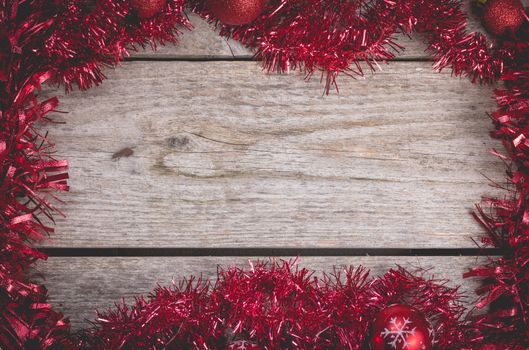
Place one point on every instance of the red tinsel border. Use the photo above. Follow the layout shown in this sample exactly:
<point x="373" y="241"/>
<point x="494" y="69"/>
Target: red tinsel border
<point x="68" y="43"/>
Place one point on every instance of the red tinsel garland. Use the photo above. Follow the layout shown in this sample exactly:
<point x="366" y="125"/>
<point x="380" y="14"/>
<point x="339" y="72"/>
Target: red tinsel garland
<point x="306" y="35"/>
<point x="280" y="307"/>
<point x="68" y="42"/>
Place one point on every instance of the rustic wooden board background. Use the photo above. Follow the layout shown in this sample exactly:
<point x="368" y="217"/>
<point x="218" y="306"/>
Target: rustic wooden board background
<point x="229" y="164"/>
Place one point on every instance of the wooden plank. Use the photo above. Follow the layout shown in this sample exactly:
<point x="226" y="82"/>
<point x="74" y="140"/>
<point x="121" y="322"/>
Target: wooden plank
<point x="224" y="156"/>
<point x="202" y="42"/>
<point x="78" y="286"/>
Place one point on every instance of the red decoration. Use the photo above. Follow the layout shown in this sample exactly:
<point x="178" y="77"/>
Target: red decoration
<point x="235" y="12"/>
<point x="148" y="8"/>
<point x="280" y="306"/>
<point x="329" y="37"/>
<point x="401" y="327"/>
<point x="243" y="345"/>
<point x="503" y="17"/>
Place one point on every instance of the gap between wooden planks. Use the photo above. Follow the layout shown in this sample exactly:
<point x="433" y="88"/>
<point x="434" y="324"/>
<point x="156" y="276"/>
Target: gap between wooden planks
<point x="202" y="43"/>
<point x="393" y="161"/>
<point x="81" y="285"/>
<point x="224" y="156"/>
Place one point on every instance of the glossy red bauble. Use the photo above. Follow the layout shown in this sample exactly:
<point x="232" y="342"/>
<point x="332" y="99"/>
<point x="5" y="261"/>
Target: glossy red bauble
<point x="401" y="327"/>
<point x="148" y="8"/>
<point x="503" y="17"/>
<point x="235" y="12"/>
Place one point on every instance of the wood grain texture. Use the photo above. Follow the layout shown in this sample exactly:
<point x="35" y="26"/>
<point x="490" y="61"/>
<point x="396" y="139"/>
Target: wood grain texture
<point x="202" y="42"/>
<point x="224" y="156"/>
<point x="78" y="286"/>
<point x="217" y="154"/>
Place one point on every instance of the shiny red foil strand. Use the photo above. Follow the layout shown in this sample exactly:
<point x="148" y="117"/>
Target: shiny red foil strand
<point x="68" y="42"/>
<point x="278" y="306"/>
<point x="506" y="280"/>
<point x="27" y="171"/>
<point x="83" y="40"/>
<point x="349" y="37"/>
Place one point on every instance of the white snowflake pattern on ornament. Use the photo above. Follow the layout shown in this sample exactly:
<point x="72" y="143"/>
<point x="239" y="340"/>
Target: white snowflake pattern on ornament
<point x="399" y="332"/>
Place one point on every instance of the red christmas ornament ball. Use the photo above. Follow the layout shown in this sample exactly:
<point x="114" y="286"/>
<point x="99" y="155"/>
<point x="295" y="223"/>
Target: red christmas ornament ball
<point x="401" y="327"/>
<point x="243" y="345"/>
<point x="148" y="8"/>
<point x="503" y="17"/>
<point x="235" y="12"/>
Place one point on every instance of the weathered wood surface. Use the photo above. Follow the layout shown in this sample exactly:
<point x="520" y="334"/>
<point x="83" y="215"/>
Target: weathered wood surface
<point x="78" y="286"/>
<point x="224" y="156"/>
<point x="217" y="154"/>
<point x="202" y="42"/>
